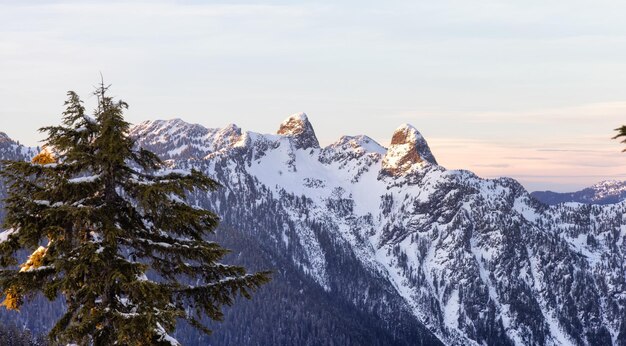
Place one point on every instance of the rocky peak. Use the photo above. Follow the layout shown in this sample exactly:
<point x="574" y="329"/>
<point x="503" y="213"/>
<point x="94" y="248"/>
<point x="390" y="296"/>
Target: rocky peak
<point x="226" y="137"/>
<point x="299" y="128"/>
<point x="4" y="138"/>
<point x="408" y="147"/>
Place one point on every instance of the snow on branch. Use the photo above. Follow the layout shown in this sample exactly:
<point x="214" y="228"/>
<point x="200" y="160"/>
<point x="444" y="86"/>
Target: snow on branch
<point x="163" y="336"/>
<point x="166" y="172"/>
<point x="89" y="119"/>
<point x="87" y="179"/>
<point x="5" y="234"/>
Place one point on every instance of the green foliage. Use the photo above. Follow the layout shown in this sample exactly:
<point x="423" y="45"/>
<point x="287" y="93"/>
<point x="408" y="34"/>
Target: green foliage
<point x="621" y="132"/>
<point x="100" y="215"/>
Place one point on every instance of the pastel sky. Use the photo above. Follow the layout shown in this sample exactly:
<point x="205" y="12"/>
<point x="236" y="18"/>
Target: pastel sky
<point x="527" y="89"/>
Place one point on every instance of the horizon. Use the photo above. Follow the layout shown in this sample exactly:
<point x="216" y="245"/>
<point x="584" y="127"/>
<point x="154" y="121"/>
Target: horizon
<point x="500" y="89"/>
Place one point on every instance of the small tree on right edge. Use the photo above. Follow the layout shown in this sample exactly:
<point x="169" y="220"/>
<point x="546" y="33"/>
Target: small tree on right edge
<point x="621" y="132"/>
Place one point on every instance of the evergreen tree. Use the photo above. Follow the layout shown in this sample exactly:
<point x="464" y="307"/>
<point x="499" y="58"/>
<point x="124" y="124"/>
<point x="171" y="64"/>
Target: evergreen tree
<point x="621" y="132"/>
<point x="113" y="234"/>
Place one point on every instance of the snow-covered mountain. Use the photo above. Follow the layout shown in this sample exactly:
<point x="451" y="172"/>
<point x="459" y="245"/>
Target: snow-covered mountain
<point x="605" y="192"/>
<point x="392" y="248"/>
<point x="12" y="150"/>
<point x="476" y="261"/>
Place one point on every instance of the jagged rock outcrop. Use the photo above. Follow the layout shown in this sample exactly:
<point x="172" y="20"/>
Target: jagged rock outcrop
<point x="300" y="129"/>
<point x="408" y="150"/>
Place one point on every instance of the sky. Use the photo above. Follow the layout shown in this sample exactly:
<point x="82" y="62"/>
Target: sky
<point x="526" y="89"/>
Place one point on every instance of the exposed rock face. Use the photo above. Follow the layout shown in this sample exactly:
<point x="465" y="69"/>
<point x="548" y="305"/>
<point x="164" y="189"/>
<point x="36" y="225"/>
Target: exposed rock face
<point x="299" y="128"/>
<point x="408" y="149"/>
<point x="4" y="138"/>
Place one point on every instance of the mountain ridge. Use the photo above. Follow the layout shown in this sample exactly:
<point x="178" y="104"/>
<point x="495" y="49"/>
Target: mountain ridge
<point x="468" y="260"/>
<point x="604" y="192"/>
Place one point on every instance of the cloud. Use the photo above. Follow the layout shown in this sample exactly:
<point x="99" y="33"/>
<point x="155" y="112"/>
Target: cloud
<point x="570" y="168"/>
<point x="525" y="158"/>
<point x="492" y="165"/>
<point x="573" y="150"/>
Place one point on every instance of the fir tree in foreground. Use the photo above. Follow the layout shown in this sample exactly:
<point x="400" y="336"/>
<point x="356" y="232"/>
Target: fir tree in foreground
<point x="113" y="234"/>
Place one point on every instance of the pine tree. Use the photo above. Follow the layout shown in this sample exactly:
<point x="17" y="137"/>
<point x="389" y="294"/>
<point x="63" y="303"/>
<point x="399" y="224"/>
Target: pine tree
<point x="113" y="234"/>
<point x="621" y="132"/>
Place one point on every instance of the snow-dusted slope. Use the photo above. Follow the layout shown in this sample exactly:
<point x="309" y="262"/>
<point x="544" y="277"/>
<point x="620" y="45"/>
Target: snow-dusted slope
<point x="12" y="150"/>
<point x="176" y="139"/>
<point x="476" y="261"/>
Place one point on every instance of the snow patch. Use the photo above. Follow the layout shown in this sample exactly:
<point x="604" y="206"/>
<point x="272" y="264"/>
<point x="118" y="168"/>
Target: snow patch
<point x="451" y="310"/>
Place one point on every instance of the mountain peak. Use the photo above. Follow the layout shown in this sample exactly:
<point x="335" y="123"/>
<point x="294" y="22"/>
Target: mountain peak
<point x="360" y="143"/>
<point x="299" y="127"/>
<point x="407" y="148"/>
<point x="177" y="139"/>
<point x="4" y="137"/>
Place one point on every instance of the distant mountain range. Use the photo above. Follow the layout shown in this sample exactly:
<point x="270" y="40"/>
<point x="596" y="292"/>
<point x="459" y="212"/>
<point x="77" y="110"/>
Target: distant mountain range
<point x="376" y="245"/>
<point x="606" y="192"/>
